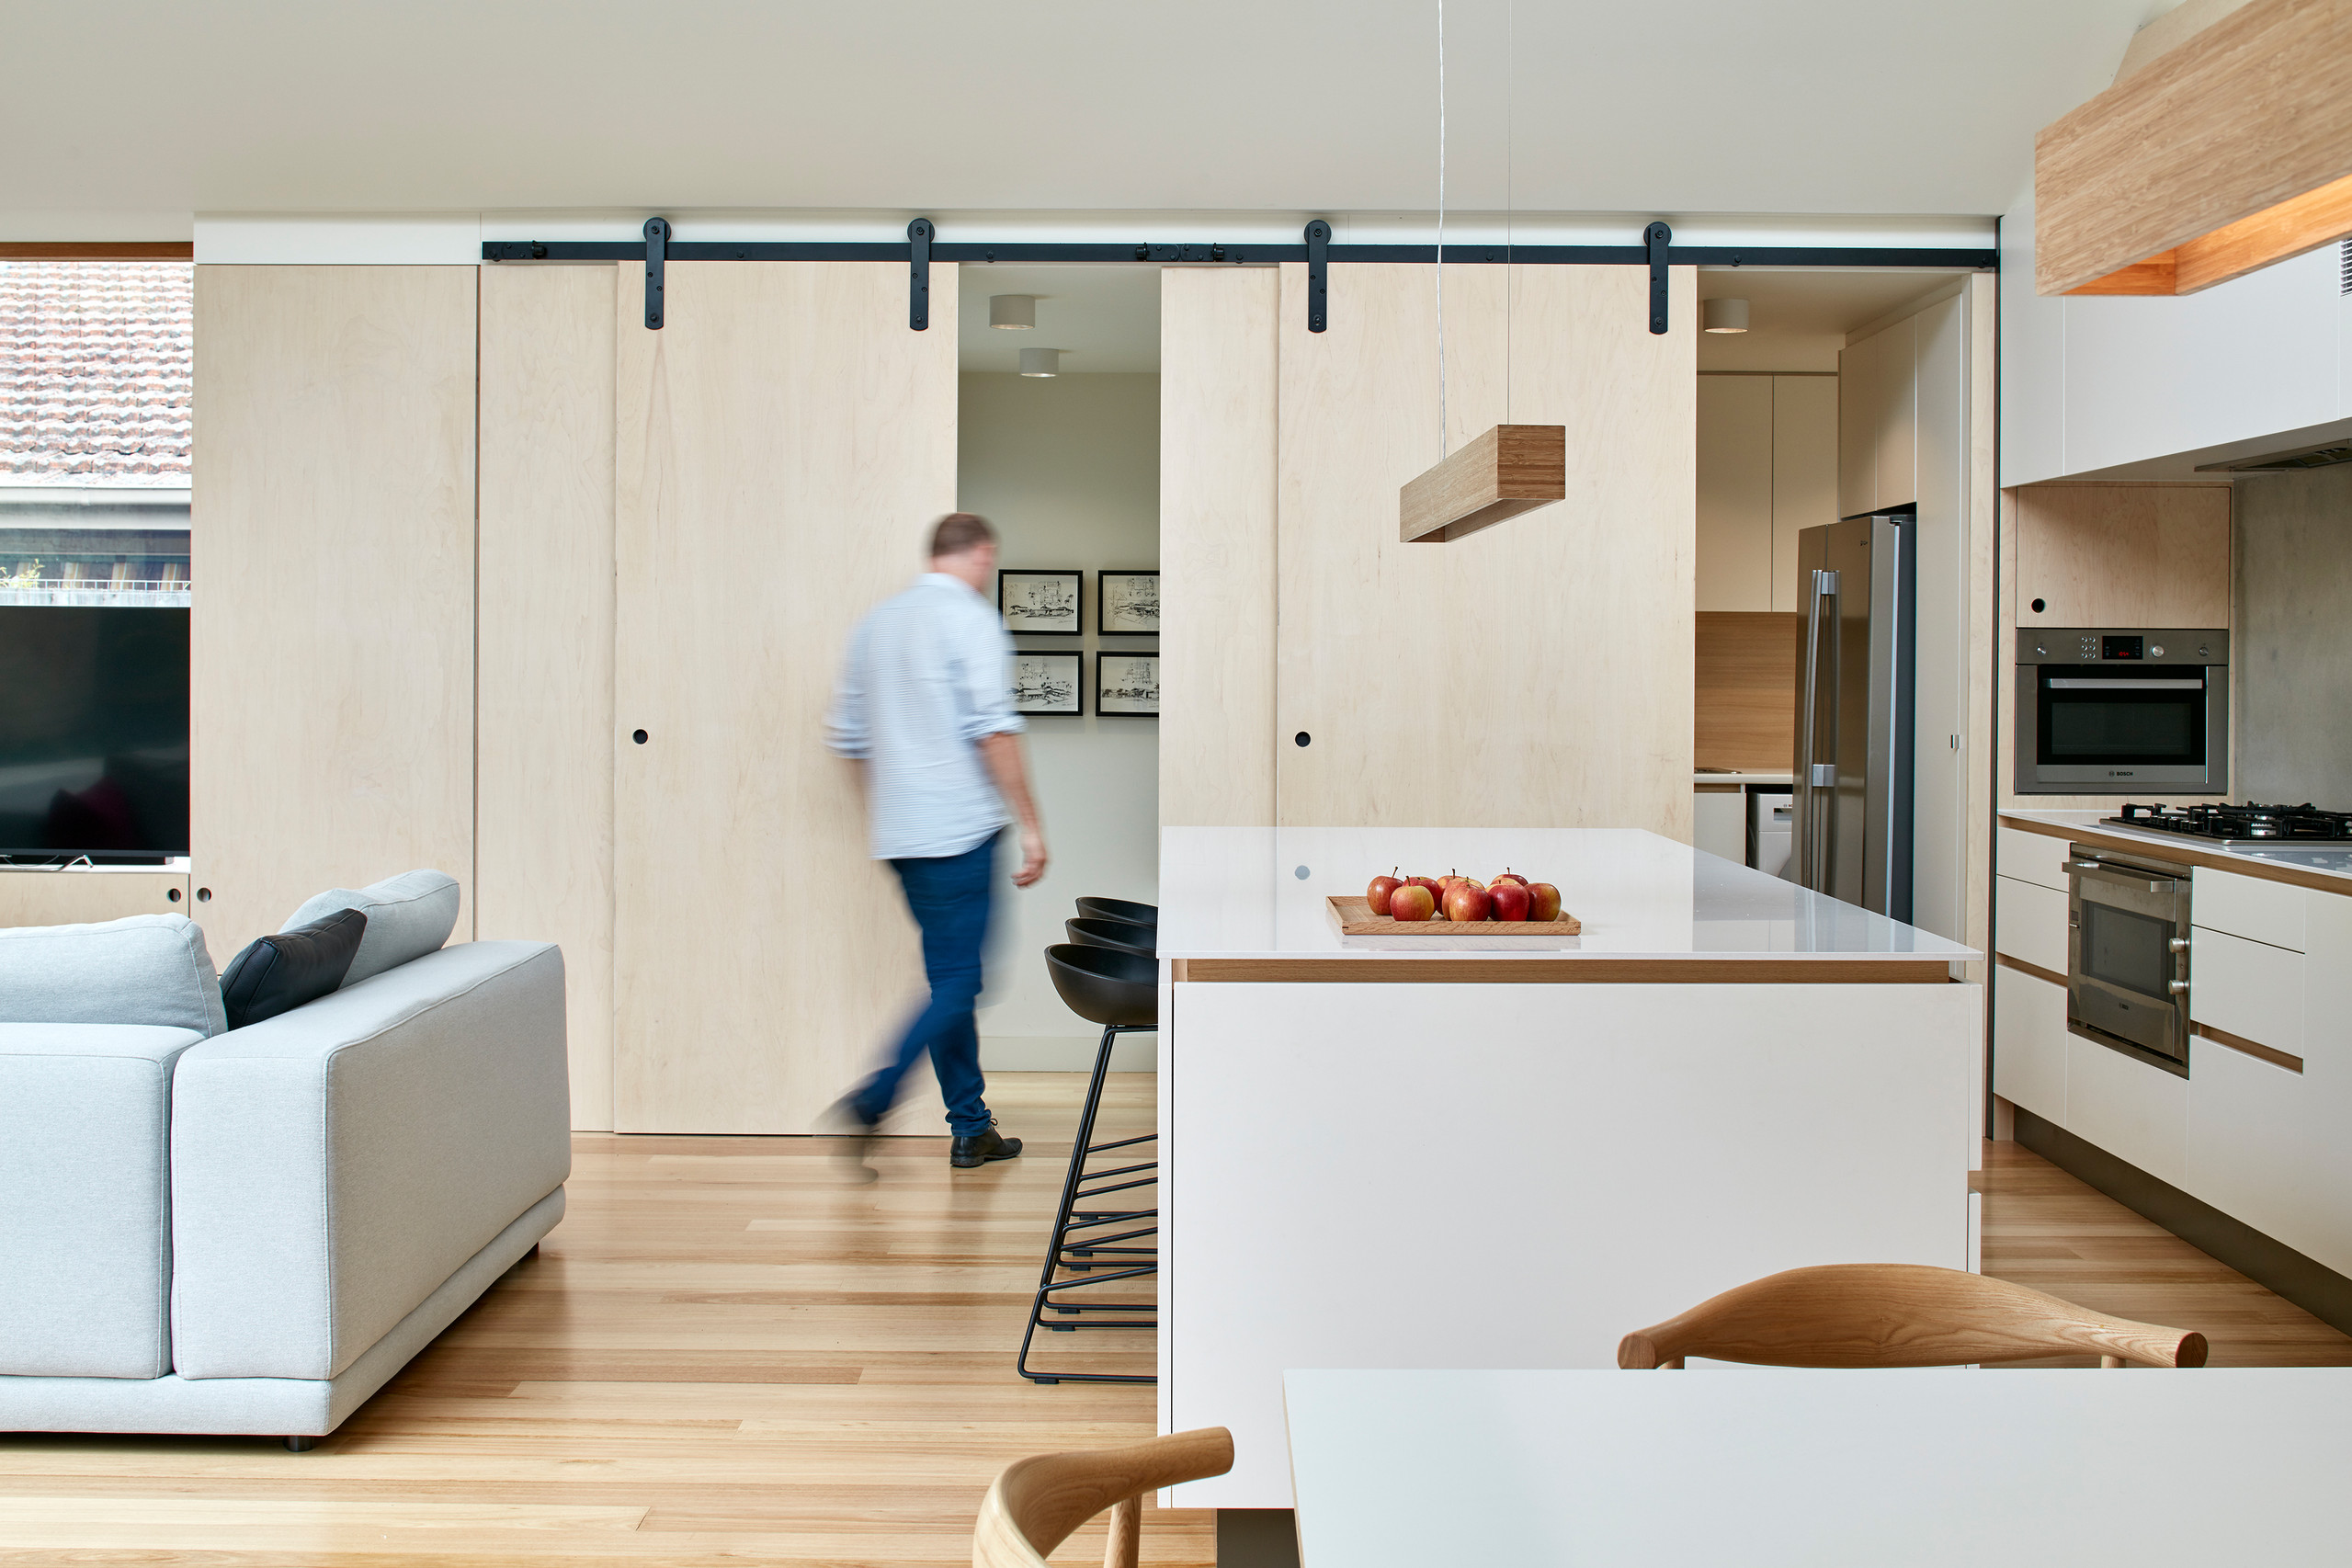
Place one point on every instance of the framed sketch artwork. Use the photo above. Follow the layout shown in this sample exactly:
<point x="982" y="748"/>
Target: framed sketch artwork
<point x="1048" y="683"/>
<point x="1127" y="604"/>
<point x="1041" y="604"/>
<point x="1131" y="682"/>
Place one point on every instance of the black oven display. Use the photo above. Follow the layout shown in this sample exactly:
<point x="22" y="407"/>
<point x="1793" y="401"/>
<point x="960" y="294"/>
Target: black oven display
<point x="2114" y="647"/>
<point x="2151" y="719"/>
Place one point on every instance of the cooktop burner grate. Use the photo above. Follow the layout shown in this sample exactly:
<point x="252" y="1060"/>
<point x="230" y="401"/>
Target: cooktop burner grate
<point x="2249" y="823"/>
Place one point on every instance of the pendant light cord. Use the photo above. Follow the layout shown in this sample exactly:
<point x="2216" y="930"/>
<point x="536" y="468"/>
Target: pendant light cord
<point x="1445" y="438"/>
<point x="1510" y="271"/>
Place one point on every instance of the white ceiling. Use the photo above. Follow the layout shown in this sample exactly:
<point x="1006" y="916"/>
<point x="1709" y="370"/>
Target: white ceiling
<point x="1102" y="318"/>
<point x="1831" y="107"/>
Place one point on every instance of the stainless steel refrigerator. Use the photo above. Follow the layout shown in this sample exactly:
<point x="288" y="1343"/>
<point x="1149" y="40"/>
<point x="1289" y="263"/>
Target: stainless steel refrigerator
<point x="1855" y="595"/>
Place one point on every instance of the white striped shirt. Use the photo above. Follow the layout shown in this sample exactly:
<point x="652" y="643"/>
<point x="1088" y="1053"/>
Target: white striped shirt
<point x="923" y="684"/>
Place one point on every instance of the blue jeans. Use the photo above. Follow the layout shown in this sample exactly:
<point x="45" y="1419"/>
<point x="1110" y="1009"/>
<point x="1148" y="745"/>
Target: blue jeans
<point x="949" y="896"/>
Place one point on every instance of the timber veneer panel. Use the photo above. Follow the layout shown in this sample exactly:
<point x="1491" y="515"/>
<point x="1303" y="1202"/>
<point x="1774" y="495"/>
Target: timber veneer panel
<point x="76" y="898"/>
<point x="1744" y="711"/>
<point x="1538" y="673"/>
<point x="2124" y="555"/>
<point x="543" y="859"/>
<point x="332" y="646"/>
<point x="782" y="445"/>
<point x="1218" y="392"/>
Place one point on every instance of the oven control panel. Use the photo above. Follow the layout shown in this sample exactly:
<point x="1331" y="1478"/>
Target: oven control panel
<point x="2100" y="645"/>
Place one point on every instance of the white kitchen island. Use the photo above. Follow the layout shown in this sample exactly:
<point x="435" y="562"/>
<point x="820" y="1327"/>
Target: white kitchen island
<point x="1422" y="1153"/>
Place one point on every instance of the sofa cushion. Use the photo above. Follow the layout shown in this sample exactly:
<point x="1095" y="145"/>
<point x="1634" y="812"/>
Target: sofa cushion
<point x="149" y="969"/>
<point x="278" y="974"/>
<point x="85" y="1205"/>
<point x="408" y="917"/>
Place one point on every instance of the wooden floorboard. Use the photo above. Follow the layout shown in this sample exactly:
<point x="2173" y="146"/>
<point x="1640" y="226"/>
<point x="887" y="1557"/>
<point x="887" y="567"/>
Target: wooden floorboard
<point x="733" y="1352"/>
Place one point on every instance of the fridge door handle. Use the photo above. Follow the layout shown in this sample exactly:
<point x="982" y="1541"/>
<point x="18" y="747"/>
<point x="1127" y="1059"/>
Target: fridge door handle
<point x="1812" y="847"/>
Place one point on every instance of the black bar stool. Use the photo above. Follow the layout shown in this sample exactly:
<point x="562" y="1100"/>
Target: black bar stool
<point x="1120" y="909"/>
<point x="1117" y="935"/>
<point x="1119" y="989"/>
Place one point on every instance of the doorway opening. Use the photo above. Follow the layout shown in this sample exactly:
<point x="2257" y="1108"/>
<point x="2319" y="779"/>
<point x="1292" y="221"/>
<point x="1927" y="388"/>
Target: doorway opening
<point x="1062" y="453"/>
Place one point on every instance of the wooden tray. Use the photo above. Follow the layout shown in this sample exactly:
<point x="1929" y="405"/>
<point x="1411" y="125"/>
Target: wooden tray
<point x="1356" y="919"/>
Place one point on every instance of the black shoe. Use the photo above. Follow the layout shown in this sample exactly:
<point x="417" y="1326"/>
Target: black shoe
<point x="983" y="1147"/>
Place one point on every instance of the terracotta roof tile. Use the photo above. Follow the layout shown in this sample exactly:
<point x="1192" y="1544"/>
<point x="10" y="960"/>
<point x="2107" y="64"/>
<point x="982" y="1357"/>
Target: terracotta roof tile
<point x="94" y="372"/>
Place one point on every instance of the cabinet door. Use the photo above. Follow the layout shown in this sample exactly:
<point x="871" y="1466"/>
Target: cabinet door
<point x="1857" y="427"/>
<point x="331" y="646"/>
<point x="781" y="445"/>
<point x="1735" y="493"/>
<point x="2123" y="555"/>
<point x="1804" y="473"/>
<point x="2030" y="1043"/>
<point x="1896" y="400"/>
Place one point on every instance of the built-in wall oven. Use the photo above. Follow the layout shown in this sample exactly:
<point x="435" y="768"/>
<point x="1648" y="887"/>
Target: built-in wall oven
<point x="2102" y="712"/>
<point x="2127" y="954"/>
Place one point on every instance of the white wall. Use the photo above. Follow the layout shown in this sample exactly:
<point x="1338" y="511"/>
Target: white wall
<point x="1068" y="469"/>
<point x="2092" y="384"/>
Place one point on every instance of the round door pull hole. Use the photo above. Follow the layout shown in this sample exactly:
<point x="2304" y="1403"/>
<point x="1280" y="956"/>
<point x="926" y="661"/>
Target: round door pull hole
<point x="204" y="895"/>
<point x="639" y="736"/>
<point x="2040" y="605"/>
<point x="171" y="893"/>
<point x="1302" y="738"/>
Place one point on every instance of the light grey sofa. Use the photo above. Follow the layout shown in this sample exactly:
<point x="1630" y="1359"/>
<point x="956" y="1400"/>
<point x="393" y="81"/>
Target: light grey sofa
<point x="251" y="1231"/>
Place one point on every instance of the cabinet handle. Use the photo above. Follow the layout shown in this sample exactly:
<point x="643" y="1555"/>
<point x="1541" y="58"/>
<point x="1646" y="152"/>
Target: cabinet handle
<point x="2176" y="986"/>
<point x="2178" y="943"/>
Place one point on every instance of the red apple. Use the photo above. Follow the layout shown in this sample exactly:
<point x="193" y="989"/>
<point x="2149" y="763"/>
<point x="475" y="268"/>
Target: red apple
<point x="1377" y="895"/>
<point x="1412" y="902"/>
<point x="1507" y="877"/>
<point x="1436" y="892"/>
<point x="1467" y="900"/>
<point x="1512" y="901"/>
<point x="1544" y="902"/>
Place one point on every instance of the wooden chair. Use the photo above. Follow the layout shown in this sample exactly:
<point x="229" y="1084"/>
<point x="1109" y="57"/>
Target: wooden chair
<point x="1037" y="1502"/>
<point x="1898" y="1314"/>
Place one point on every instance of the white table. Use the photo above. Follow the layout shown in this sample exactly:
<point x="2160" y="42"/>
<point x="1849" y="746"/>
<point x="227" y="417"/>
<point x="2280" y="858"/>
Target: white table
<point x="1762" y="1466"/>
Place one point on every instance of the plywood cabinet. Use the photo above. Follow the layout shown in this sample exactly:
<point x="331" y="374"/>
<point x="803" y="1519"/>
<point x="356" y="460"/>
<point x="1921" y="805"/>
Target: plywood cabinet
<point x="79" y="897"/>
<point x="1857" y="427"/>
<point x="2123" y="555"/>
<point x="1767" y="468"/>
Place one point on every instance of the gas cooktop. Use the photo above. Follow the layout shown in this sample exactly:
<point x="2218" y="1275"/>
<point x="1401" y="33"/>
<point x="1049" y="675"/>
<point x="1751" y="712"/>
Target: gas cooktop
<point x="2249" y="826"/>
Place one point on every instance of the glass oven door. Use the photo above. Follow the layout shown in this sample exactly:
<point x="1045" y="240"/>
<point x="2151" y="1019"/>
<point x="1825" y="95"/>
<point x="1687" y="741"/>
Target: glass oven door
<point x="2127" y="976"/>
<point x="2105" y="728"/>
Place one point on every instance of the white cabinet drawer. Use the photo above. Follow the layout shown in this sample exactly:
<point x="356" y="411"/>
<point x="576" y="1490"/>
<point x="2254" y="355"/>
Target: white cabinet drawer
<point x="2031" y="857"/>
<point x="2252" y="907"/>
<point x="2030" y="1043"/>
<point x="2252" y="1153"/>
<point x="2131" y="1108"/>
<point x="2029" y="923"/>
<point x="2249" y="989"/>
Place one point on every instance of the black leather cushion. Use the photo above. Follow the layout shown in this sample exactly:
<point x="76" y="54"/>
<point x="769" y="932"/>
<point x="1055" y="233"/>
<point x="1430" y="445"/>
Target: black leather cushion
<point x="278" y="974"/>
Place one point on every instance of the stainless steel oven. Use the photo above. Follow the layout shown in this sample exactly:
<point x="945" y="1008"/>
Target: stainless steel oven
<point x="2127" y="954"/>
<point x="2122" y="712"/>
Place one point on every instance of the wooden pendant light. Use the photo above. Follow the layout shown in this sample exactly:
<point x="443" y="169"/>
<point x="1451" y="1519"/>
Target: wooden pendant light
<point x="1509" y="470"/>
<point x="2226" y="153"/>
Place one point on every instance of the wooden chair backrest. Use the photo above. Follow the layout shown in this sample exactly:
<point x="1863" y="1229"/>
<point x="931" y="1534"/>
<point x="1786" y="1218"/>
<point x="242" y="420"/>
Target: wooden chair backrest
<point x="1898" y="1314"/>
<point x="1037" y="1502"/>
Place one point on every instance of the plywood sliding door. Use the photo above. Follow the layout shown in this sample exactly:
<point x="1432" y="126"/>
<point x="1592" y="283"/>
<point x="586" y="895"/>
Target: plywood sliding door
<point x="543" y="868"/>
<point x="1538" y="673"/>
<point x="781" y="446"/>
<point x="1218" y="395"/>
<point x="332" y="636"/>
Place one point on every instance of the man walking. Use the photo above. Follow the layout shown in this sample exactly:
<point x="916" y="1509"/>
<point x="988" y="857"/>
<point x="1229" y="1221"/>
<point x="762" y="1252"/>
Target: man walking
<point x="923" y="707"/>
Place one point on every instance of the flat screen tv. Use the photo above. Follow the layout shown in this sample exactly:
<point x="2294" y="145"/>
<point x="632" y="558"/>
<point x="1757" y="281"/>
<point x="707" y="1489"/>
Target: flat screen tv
<point x="93" y="733"/>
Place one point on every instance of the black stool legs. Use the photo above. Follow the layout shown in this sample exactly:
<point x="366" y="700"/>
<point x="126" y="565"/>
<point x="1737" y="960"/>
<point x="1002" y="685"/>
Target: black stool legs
<point x="1096" y="1259"/>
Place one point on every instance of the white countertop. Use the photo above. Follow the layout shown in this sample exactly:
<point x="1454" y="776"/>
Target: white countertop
<point x="1771" y="1468"/>
<point x="1786" y="779"/>
<point x="1242" y="892"/>
<point x="2335" y="864"/>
